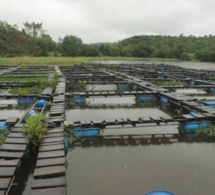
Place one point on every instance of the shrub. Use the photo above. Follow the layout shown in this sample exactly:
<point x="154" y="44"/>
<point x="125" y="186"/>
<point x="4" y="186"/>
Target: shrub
<point x="35" y="128"/>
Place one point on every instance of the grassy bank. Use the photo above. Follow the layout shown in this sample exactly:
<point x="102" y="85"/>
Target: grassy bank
<point x="68" y="60"/>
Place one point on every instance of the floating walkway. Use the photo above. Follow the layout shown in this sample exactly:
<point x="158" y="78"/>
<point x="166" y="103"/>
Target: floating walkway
<point x="50" y="171"/>
<point x="11" y="153"/>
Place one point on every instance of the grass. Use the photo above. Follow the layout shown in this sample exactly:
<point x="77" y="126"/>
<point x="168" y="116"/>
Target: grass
<point x="70" y="60"/>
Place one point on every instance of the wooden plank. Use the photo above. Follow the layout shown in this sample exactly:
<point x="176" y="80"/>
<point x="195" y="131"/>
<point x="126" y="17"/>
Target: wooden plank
<point x="51" y="148"/>
<point x="47" y="183"/>
<point x="16" y="140"/>
<point x="4" y="183"/>
<point x="13" y="147"/>
<point x="51" y="154"/>
<point x="56" y="119"/>
<point x="55" y="139"/>
<point x="133" y="120"/>
<point x="49" y="191"/>
<point x="9" y="163"/>
<point x="7" y="171"/>
<point x="52" y="143"/>
<point x="187" y="116"/>
<point x="15" y="135"/>
<point x="50" y="162"/>
<point x="55" y="130"/>
<point x="16" y="130"/>
<point x="49" y="171"/>
<point x="51" y="135"/>
<point x="13" y="155"/>
<point x="199" y="116"/>
<point x="2" y="192"/>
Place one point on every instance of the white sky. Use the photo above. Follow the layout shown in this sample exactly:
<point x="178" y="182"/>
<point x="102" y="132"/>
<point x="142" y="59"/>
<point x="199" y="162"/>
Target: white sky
<point x="113" y="20"/>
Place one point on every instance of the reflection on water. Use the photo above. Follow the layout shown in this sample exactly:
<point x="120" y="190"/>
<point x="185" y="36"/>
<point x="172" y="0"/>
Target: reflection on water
<point x="191" y="91"/>
<point x="106" y="87"/>
<point x="112" y="101"/>
<point x="101" y="114"/>
<point x="183" y="168"/>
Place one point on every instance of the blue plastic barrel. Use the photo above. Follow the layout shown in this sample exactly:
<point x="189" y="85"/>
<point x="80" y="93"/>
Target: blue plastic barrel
<point x="193" y="112"/>
<point x="32" y="113"/>
<point x="78" y="99"/>
<point x="40" y="104"/>
<point x="66" y="145"/>
<point x="159" y="192"/>
<point x="134" y="87"/>
<point x="192" y="83"/>
<point x="163" y="100"/>
<point x="210" y="104"/>
<point x="194" y="126"/>
<point x="146" y="97"/>
<point x="25" y="101"/>
<point x="3" y="125"/>
<point x="160" y="77"/>
<point x="212" y="90"/>
<point x="86" y="132"/>
<point x="123" y="86"/>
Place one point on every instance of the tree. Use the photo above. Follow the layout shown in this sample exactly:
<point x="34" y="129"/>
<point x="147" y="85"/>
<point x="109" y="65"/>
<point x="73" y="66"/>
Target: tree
<point x="46" y="44"/>
<point x="33" y="28"/>
<point x="71" y="46"/>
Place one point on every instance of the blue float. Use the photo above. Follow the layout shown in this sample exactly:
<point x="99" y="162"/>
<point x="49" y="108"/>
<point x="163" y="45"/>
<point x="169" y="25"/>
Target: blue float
<point x="192" y="127"/>
<point x="40" y="104"/>
<point x="146" y="98"/>
<point x="25" y="101"/>
<point x="160" y="77"/>
<point x="159" y="192"/>
<point x="210" y="104"/>
<point x="3" y="125"/>
<point x="134" y="87"/>
<point x="86" y="132"/>
<point x="66" y="145"/>
<point x="78" y="99"/>
<point x="212" y="90"/>
<point x="163" y="100"/>
<point x="192" y="83"/>
<point x="123" y="86"/>
<point x="75" y="86"/>
<point x="193" y="112"/>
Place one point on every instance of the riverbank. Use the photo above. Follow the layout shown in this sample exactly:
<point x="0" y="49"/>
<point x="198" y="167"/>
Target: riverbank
<point x="71" y="60"/>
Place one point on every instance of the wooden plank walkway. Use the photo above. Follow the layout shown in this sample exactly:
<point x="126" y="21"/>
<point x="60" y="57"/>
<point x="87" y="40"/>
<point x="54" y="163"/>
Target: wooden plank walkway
<point x="50" y="172"/>
<point x="11" y="153"/>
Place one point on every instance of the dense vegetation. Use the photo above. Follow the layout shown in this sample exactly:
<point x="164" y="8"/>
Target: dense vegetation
<point x="32" y="41"/>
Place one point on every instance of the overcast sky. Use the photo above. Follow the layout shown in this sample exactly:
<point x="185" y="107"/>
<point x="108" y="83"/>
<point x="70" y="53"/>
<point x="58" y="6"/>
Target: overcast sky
<point x="113" y="20"/>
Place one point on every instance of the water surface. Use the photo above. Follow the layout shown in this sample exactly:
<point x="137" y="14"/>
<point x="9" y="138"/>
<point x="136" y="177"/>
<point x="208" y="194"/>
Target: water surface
<point x="183" y="168"/>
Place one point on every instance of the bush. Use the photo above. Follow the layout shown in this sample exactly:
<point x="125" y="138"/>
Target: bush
<point x="35" y="128"/>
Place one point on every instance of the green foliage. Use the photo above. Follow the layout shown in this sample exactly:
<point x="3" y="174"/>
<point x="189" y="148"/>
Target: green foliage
<point x="68" y="134"/>
<point x="15" y="43"/>
<point x="208" y="131"/>
<point x="3" y="135"/>
<point x="82" y="85"/>
<point x="170" y="83"/>
<point x="27" y="90"/>
<point x="35" y="129"/>
<point x="33" y="28"/>
<point x="71" y="46"/>
<point x="27" y="42"/>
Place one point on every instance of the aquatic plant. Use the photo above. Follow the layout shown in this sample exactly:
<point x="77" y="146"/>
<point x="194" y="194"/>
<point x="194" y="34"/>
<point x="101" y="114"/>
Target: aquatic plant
<point x="208" y="131"/>
<point x="3" y="135"/>
<point x="82" y="85"/>
<point x="68" y="134"/>
<point x="35" y="128"/>
<point x="170" y="83"/>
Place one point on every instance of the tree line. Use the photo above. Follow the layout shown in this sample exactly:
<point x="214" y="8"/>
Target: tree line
<point x="33" y="40"/>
